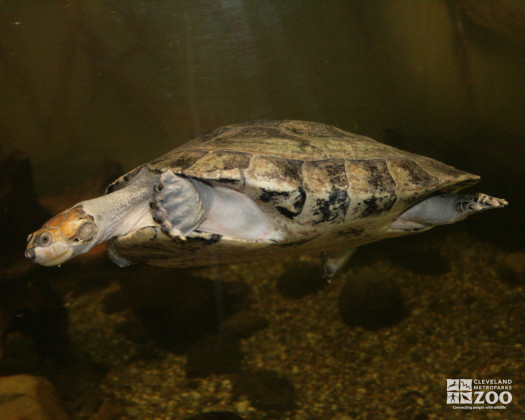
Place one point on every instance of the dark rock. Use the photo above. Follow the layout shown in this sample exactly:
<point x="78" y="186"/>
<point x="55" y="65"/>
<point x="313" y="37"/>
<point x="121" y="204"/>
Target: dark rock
<point x="214" y="355"/>
<point x="215" y="415"/>
<point x="301" y="280"/>
<point x="422" y="260"/>
<point x="26" y="397"/>
<point x="174" y="308"/>
<point x="73" y="281"/>
<point x="266" y="390"/>
<point x="78" y="384"/>
<point x="512" y="268"/>
<point x="419" y="254"/>
<point x="371" y="300"/>
<point x="410" y="397"/>
<point x="243" y="324"/>
<point x="110" y="409"/>
<point x="36" y="311"/>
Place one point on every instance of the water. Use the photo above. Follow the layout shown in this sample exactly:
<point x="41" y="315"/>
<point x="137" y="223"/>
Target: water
<point x="130" y="80"/>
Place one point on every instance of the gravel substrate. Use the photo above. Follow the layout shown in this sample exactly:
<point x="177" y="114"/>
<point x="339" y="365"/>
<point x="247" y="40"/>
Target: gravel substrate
<point x="302" y="361"/>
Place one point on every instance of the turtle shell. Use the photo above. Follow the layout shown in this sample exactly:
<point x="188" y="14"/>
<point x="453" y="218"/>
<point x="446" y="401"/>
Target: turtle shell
<point x="324" y="187"/>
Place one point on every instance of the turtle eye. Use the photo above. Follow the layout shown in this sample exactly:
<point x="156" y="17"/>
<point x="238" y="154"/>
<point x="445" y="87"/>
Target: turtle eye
<point x="44" y="239"/>
<point x="86" y="231"/>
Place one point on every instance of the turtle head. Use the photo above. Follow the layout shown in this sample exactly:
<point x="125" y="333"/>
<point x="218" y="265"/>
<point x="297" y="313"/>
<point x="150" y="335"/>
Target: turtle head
<point x="65" y="235"/>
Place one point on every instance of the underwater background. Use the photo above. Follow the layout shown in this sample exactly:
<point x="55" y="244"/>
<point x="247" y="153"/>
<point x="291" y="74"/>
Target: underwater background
<point x="89" y="90"/>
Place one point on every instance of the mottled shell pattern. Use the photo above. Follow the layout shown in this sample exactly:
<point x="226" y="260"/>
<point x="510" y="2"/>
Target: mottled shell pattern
<point x="326" y="187"/>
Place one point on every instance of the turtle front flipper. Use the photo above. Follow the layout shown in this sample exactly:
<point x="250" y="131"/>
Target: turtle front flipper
<point x="180" y="204"/>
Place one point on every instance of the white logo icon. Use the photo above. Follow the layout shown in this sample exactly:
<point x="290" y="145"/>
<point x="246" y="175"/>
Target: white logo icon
<point x="459" y="391"/>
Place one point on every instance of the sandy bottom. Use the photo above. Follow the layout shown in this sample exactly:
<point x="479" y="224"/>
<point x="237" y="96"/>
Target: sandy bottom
<point x="465" y="323"/>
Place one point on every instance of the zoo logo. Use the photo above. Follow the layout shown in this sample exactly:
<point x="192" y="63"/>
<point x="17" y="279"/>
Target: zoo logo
<point x="459" y="391"/>
<point x="468" y="391"/>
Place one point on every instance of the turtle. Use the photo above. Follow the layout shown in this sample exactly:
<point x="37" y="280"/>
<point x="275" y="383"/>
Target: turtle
<point x="262" y="189"/>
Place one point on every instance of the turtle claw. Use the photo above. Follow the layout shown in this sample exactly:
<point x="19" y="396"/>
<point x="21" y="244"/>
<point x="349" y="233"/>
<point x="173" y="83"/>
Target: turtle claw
<point x="492" y="201"/>
<point x="479" y="202"/>
<point x="154" y="205"/>
<point x="172" y="231"/>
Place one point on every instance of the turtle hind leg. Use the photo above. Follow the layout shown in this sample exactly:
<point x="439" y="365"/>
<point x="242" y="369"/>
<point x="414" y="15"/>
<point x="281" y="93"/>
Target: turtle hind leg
<point x="478" y="202"/>
<point x="450" y="208"/>
<point x="334" y="261"/>
<point x="442" y="209"/>
<point x="180" y="204"/>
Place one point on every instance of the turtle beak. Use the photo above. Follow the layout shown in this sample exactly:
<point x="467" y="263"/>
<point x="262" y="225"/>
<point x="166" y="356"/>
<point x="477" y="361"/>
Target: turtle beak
<point x="54" y="254"/>
<point x="59" y="259"/>
<point x="30" y="254"/>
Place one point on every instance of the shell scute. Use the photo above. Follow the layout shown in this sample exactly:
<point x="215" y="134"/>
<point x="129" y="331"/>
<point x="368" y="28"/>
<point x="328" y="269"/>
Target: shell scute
<point x="372" y="186"/>
<point x="327" y="186"/>
<point x="369" y="176"/>
<point x="277" y="183"/>
<point x="220" y="160"/>
<point x="408" y="174"/>
<point x="223" y="167"/>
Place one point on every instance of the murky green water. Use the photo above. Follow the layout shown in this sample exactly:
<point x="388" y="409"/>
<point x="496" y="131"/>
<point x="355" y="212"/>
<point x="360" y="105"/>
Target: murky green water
<point x="130" y="80"/>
